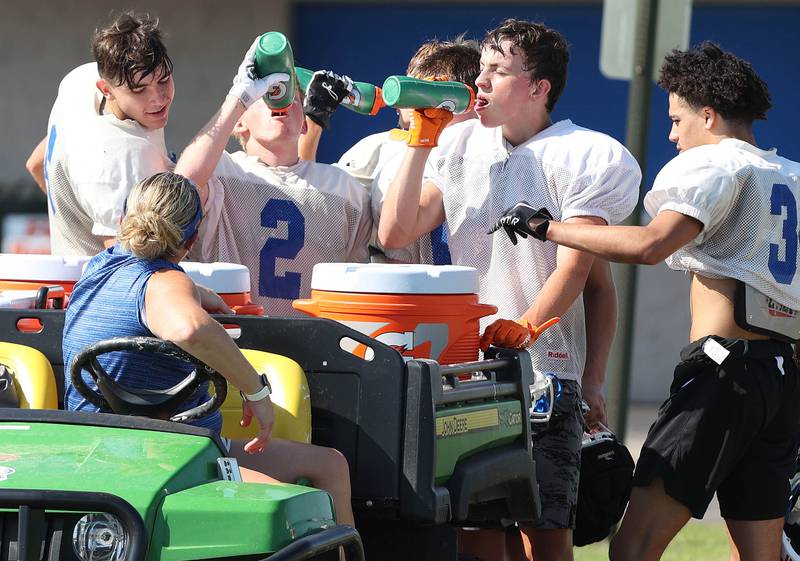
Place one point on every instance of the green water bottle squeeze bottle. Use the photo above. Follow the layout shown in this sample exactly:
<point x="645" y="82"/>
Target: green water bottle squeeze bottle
<point x="365" y="98"/>
<point x="404" y="92"/>
<point x="274" y="54"/>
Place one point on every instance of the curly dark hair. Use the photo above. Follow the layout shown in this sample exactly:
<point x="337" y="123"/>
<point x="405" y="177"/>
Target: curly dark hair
<point x="707" y="76"/>
<point x="544" y="51"/>
<point x="130" y="48"/>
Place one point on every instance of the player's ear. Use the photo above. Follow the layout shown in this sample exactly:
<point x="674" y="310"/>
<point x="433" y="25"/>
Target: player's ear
<point x="105" y="88"/>
<point x="241" y="128"/>
<point x="539" y="88"/>
<point x="710" y="117"/>
<point x="304" y="128"/>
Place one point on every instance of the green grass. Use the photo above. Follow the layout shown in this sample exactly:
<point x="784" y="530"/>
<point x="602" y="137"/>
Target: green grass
<point x="696" y="542"/>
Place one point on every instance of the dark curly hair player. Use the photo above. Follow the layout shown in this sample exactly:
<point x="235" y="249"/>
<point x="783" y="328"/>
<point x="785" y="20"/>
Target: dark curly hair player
<point x="725" y="211"/>
<point x="709" y="76"/>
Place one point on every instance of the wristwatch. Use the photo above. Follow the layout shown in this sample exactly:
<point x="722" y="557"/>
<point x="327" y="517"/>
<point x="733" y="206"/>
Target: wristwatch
<point x="265" y="390"/>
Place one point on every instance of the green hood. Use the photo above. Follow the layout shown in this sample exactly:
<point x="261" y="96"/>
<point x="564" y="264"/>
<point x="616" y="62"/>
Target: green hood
<point x="140" y="466"/>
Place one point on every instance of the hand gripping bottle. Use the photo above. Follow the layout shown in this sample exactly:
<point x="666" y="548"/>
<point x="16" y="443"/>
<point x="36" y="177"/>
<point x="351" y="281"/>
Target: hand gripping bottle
<point x="404" y="92"/>
<point x="365" y="98"/>
<point x="274" y="54"/>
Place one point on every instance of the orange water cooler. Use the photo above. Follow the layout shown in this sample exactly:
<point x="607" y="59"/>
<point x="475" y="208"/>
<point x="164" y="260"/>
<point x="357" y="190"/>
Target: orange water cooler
<point x="31" y="272"/>
<point x="22" y="275"/>
<point x="229" y="280"/>
<point x="423" y="311"/>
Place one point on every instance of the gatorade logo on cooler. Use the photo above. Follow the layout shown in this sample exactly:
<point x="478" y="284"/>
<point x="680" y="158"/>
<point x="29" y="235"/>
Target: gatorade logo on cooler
<point x="427" y="340"/>
<point x="400" y="341"/>
<point x="448" y="104"/>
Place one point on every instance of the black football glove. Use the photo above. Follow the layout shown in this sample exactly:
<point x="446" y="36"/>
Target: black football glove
<point x="324" y="93"/>
<point x="516" y="220"/>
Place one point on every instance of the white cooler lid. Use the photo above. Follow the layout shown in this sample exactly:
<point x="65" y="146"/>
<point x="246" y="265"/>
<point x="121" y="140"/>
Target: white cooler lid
<point x="222" y="278"/>
<point x="17" y="298"/>
<point x="41" y="267"/>
<point x="385" y="278"/>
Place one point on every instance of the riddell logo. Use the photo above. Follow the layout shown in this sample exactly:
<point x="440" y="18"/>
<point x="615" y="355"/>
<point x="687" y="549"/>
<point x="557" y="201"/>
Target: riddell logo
<point x="779" y="310"/>
<point x="558" y="355"/>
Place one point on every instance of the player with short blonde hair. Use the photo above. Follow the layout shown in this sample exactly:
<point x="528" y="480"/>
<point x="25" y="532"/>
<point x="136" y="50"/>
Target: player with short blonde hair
<point x="266" y="208"/>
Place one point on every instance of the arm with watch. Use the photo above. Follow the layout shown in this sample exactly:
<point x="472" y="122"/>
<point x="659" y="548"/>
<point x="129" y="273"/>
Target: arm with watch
<point x="174" y="312"/>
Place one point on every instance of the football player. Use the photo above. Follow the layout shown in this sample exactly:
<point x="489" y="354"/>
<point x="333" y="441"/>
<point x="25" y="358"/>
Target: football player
<point x="373" y="160"/>
<point x="482" y="166"/>
<point x="105" y="134"/>
<point x="266" y="208"/>
<point x="724" y="211"/>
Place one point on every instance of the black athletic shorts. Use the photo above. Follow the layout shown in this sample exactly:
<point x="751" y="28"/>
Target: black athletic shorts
<point x="730" y="429"/>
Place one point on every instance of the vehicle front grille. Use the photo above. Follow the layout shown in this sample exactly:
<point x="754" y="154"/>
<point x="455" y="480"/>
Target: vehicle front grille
<point x="37" y="525"/>
<point x="49" y="538"/>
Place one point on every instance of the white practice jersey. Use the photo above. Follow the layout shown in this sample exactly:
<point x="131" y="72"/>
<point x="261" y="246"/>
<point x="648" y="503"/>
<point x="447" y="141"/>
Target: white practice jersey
<point x="368" y="156"/>
<point x="374" y="161"/>
<point x="572" y="172"/>
<point x="92" y="162"/>
<point x="746" y="199"/>
<point x="280" y="222"/>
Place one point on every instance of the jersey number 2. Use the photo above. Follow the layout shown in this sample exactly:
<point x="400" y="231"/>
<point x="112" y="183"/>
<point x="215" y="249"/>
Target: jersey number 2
<point x="270" y="284"/>
<point x="783" y="270"/>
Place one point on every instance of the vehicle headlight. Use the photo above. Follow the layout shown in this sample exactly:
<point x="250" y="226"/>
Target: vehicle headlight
<point x="99" y="537"/>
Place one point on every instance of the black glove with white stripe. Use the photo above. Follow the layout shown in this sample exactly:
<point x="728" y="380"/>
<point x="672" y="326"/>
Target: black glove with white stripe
<point x="324" y="93"/>
<point x="524" y="220"/>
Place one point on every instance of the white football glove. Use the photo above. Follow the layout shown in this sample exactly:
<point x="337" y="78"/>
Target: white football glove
<point x="246" y="85"/>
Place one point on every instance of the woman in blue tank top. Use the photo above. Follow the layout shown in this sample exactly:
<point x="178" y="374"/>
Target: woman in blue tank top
<point x="137" y="288"/>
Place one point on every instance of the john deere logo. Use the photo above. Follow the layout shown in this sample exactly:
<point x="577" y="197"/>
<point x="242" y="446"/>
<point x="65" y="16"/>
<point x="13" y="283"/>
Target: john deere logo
<point x="462" y="423"/>
<point x="455" y="425"/>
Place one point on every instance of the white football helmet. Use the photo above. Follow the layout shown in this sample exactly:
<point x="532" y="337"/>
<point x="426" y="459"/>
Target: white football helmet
<point x="790" y="541"/>
<point x="544" y="391"/>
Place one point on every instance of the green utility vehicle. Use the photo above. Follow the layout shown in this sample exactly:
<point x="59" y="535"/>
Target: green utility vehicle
<point x="430" y="449"/>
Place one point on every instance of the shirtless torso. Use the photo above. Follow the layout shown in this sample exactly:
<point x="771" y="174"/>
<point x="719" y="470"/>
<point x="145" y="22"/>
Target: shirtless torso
<point x="711" y="302"/>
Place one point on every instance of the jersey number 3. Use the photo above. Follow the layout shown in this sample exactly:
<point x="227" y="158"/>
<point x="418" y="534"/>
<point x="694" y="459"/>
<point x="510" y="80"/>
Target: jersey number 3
<point x="270" y="284"/>
<point x="783" y="270"/>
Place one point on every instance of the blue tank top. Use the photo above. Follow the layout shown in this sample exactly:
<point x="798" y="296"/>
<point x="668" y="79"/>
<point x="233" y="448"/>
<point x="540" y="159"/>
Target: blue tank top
<point x="108" y="301"/>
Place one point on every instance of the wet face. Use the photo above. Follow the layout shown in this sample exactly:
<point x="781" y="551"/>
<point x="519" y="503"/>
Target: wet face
<point x="148" y="102"/>
<point x="690" y="126"/>
<point x="504" y="87"/>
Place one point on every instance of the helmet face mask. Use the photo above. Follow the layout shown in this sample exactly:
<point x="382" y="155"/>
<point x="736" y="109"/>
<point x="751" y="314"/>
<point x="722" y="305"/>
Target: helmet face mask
<point x="543" y="396"/>
<point x="790" y="540"/>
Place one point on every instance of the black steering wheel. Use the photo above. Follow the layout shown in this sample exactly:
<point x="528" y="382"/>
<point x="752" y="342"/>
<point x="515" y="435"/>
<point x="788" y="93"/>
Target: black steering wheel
<point x="157" y="404"/>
